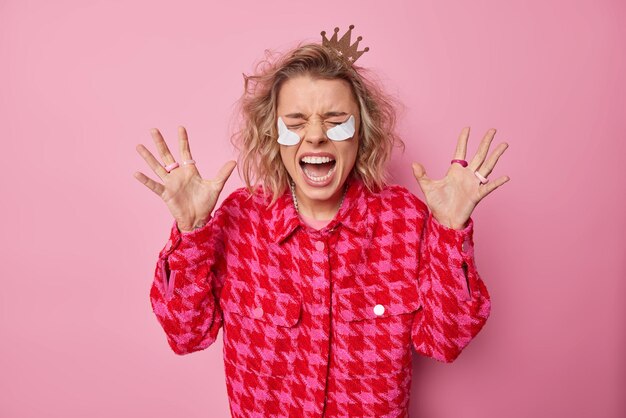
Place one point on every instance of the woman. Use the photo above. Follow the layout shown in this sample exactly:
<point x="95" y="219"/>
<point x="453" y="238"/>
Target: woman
<point x="322" y="275"/>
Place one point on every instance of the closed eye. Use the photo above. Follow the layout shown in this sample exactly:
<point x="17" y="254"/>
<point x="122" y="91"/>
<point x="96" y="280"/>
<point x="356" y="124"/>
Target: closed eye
<point x="300" y="125"/>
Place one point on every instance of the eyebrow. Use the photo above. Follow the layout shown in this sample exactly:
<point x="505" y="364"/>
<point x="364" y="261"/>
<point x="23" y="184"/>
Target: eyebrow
<point x="326" y="115"/>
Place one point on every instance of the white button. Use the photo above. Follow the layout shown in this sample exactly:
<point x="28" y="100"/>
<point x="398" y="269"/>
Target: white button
<point x="379" y="310"/>
<point x="258" y="312"/>
<point x="319" y="246"/>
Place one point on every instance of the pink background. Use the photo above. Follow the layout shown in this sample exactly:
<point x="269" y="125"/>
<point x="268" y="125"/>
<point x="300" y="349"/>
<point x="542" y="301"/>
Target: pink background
<point x="81" y="84"/>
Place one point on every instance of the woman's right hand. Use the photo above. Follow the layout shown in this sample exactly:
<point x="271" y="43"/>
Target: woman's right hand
<point x="188" y="196"/>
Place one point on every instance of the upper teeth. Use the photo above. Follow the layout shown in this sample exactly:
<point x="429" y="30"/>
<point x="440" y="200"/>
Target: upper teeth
<point x="316" y="160"/>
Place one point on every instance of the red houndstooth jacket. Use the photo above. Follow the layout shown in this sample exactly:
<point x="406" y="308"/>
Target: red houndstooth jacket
<point x="321" y="323"/>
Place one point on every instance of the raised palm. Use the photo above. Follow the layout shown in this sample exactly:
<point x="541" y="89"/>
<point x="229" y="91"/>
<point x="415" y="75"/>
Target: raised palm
<point x="453" y="198"/>
<point x="189" y="198"/>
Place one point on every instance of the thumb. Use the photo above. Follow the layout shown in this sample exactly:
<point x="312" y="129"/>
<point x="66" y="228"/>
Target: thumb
<point x="225" y="171"/>
<point x="419" y="172"/>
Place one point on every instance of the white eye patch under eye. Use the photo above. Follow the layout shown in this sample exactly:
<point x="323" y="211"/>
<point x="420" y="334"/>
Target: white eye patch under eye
<point x="285" y="136"/>
<point x="338" y="133"/>
<point x="343" y="131"/>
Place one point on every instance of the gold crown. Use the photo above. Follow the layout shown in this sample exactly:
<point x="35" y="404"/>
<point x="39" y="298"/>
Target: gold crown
<point x="342" y="47"/>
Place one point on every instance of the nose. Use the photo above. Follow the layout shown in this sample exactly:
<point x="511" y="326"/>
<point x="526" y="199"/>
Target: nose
<point x="315" y="133"/>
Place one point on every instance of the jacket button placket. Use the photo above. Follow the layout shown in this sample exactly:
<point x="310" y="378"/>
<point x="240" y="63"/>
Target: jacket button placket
<point x="321" y="288"/>
<point x="321" y="280"/>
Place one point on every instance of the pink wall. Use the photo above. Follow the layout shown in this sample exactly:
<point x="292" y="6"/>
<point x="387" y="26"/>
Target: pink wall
<point x="81" y="83"/>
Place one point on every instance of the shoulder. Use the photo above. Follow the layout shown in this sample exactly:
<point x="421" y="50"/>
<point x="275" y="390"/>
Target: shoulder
<point x="395" y="197"/>
<point x="244" y="200"/>
<point x="238" y="198"/>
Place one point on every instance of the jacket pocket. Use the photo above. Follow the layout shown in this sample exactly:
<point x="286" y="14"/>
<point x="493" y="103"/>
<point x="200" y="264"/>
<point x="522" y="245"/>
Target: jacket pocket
<point x="373" y="328"/>
<point x="259" y="328"/>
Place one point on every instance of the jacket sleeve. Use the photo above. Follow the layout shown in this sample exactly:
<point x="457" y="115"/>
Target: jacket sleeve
<point x="187" y="283"/>
<point x="454" y="300"/>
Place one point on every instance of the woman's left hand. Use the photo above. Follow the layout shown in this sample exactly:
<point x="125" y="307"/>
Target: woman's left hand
<point x="453" y="198"/>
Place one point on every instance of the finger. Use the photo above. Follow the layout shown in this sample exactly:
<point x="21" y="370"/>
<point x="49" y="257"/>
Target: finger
<point x="488" y="165"/>
<point x="183" y="140"/>
<point x="492" y="185"/>
<point x="162" y="147"/>
<point x="156" y="166"/>
<point x="461" y="144"/>
<point x="420" y="173"/>
<point x="225" y="171"/>
<point x="149" y="183"/>
<point x="483" y="148"/>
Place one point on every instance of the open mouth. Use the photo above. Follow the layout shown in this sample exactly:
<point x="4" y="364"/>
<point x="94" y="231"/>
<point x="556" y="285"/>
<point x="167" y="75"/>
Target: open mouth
<point x="318" y="169"/>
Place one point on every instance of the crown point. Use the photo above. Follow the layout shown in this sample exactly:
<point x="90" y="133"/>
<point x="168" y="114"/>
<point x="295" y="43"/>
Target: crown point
<point x="367" y="48"/>
<point x="343" y="47"/>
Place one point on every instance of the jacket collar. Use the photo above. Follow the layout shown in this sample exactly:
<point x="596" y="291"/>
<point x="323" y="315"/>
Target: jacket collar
<point x="352" y="214"/>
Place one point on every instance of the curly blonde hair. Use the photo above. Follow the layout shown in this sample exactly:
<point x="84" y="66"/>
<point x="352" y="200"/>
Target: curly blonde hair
<point x="259" y="157"/>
